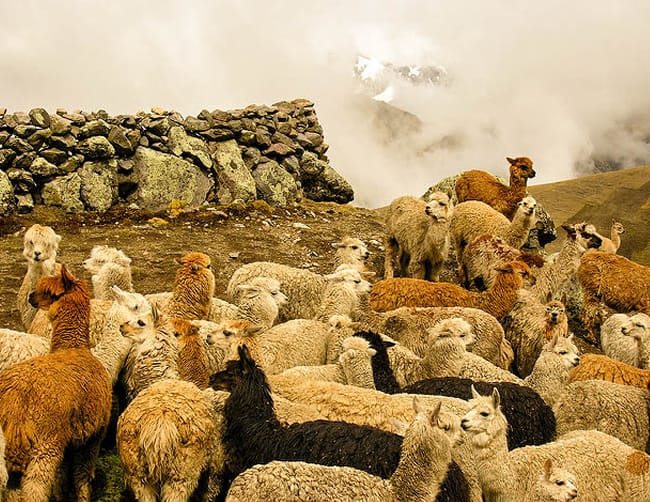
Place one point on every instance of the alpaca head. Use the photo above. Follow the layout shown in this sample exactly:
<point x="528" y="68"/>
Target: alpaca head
<point x="556" y="484"/>
<point x="194" y="283"/>
<point x="259" y="286"/>
<point x="564" y="348"/>
<point x="351" y="278"/>
<point x="351" y="250"/>
<point x="439" y="207"/>
<point x="637" y="326"/>
<point x="521" y="167"/>
<point x="183" y="327"/>
<point x="618" y="227"/>
<point x="454" y="326"/>
<point x="527" y="206"/>
<point x="141" y="327"/>
<point x="233" y="330"/>
<point x="555" y="312"/>
<point x="430" y="427"/>
<point x="100" y="255"/>
<point x="51" y="290"/>
<point x="517" y="270"/>
<point x="40" y="243"/>
<point x="129" y="304"/>
<point x="585" y="234"/>
<point x="484" y="421"/>
<point x="238" y="372"/>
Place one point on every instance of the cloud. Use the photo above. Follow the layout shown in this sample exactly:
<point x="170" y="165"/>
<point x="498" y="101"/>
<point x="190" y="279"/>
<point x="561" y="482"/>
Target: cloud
<point x="560" y="82"/>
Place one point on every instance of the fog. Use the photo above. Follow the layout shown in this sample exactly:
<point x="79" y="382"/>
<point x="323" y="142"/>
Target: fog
<point x="560" y="82"/>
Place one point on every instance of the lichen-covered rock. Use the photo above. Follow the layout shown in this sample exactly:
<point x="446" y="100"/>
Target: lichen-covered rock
<point x="42" y="167"/>
<point x="99" y="184"/>
<point x="64" y="192"/>
<point x="162" y="177"/>
<point x="6" y="156"/>
<point x="96" y="147"/>
<point x="7" y="198"/>
<point x="321" y="182"/>
<point x="234" y="180"/>
<point x="180" y="143"/>
<point x="22" y="180"/>
<point x="94" y="128"/>
<point x="275" y="185"/>
<point x="24" y="203"/>
<point x="118" y="138"/>
<point x="40" y="117"/>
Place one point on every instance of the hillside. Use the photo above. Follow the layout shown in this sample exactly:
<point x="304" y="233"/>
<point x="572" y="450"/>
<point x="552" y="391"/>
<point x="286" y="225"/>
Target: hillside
<point x="623" y="195"/>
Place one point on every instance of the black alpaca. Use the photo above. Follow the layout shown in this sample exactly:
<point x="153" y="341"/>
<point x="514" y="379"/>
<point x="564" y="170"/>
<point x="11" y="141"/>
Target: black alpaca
<point x="530" y="420"/>
<point x="253" y="434"/>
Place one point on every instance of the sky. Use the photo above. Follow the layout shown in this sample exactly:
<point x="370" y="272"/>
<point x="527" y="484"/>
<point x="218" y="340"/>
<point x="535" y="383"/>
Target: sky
<point x="559" y="82"/>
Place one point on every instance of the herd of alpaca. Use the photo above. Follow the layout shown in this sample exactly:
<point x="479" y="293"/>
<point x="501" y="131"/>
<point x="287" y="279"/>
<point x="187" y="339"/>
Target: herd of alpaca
<point x="293" y="385"/>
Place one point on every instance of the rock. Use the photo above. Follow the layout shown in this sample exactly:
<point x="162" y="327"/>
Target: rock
<point x="247" y="137"/>
<point x="291" y="164"/>
<point x="43" y="168"/>
<point x="320" y="182"/>
<point x="94" y="128"/>
<point x="22" y="180"/>
<point x="262" y="137"/>
<point x="274" y="184"/>
<point x="64" y="192"/>
<point x="99" y="184"/>
<point x="24" y="161"/>
<point x="7" y="198"/>
<point x="180" y="143"/>
<point x="59" y="125"/>
<point x="54" y="155"/>
<point x="24" y="130"/>
<point x="4" y="136"/>
<point x="72" y="164"/>
<point x="234" y="180"/>
<point x="24" y="203"/>
<point x="19" y="145"/>
<point x="6" y="157"/>
<point x="40" y="117"/>
<point x="218" y="134"/>
<point x="196" y="125"/>
<point x="96" y="147"/>
<point x="162" y="177"/>
<point x="118" y="138"/>
<point x="65" y="142"/>
<point x="39" y="137"/>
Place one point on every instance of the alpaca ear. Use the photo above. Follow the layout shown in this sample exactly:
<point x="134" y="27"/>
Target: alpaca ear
<point x="547" y="469"/>
<point x="474" y="393"/>
<point x="337" y="245"/>
<point x="511" y="161"/>
<point x="496" y="398"/>
<point x="417" y="405"/>
<point x="196" y="267"/>
<point x="388" y="344"/>
<point x="504" y="270"/>
<point x="117" y="291"/>
<point x="435" y="412"/>
<point x="570" y="230"/>
<point x="553" y="341"/>
<point x="400" y="427"/>
<point x="253" y="329"/>
<point x="67" y="279"/>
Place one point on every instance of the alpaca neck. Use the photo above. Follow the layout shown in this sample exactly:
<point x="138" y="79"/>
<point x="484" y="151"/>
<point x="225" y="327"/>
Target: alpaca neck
<point x="615" y="237"/>
<point x="519" y="183"/>
<point x="251" y="401"/>
<point x="70" y="319"/>
<point x="644" y="351"/>
<point x="193" y="361"/>
<point x="548" y="377"/>
<point x="339" y="299"/>
<point x="422" y="468"/>
<point x="519" y="228"/>
<point x="358" y="371"/>
<point x="190" y="299"/>
<point x="552" y="275"/>
<point x="38" y="269"/>
<point x="501" y="297"/>
<point x="112" y="350"/>
<point x="443" y="359"/>
<point x="495" y="470"/>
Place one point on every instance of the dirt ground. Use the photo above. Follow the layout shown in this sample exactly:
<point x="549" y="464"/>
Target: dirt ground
<point x="300" y="236"/>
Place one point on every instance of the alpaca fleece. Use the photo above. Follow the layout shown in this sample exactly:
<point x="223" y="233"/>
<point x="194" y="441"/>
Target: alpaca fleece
<point x="193" y="288"/>
<point x="59" y="400"/>
<point x="481" y="185"/>
<point x="253" y="434"/>
<point x="599" y="367"/>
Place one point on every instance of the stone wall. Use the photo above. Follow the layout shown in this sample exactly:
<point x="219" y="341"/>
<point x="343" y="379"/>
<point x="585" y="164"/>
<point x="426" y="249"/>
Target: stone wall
<point x="91" y="161"/>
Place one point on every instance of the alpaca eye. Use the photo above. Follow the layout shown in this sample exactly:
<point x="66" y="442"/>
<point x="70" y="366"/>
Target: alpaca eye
<point x="559" y="483"/>
<point x="563" y="352"/>
<point x="355" y="247"/>
<point x="484" y="414"/>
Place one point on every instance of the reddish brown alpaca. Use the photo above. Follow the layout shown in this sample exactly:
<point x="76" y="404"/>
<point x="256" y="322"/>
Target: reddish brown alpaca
<point x="193" y="288"/>
<point x="390" y="294"/>
<point x="193" y="365"/>
<point x="59" y="402"/>
<point x="480" y="185"/>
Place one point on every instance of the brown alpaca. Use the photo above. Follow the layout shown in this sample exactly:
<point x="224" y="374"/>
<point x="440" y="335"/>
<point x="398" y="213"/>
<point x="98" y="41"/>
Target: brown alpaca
<point x="599" y="367"/>
<point x="613" y="281"/>
<point x="193" y="365"/>
<point x="193" y="288"/>
<point x="390" y="294"/>
<point x="59" y="402"/>
<point x="556" y="320"/>
<point x="481" y="185"/>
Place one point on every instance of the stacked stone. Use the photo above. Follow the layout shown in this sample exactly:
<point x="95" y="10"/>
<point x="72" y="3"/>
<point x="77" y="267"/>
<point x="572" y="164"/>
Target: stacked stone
<point x="91" y="161"/>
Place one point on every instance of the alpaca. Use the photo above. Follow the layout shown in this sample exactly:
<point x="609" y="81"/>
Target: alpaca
<point x="56" y="402"/>
<point x="389" y="294"/>
<point x="417" y="236"/>
<point x="480" y="185"/>
<point x="253" y="434"/>
<point x="612" y="244"/>
<point x="40" y="245"/>
<point x="555" y="485"/>
<point x="623" y="473"/>
<point x="193" y="288"/>
<point x="351" y="252"/>
<point x="193" y="364"/>
<point x="424" y="460"/>
<point x="108" y="267"/>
